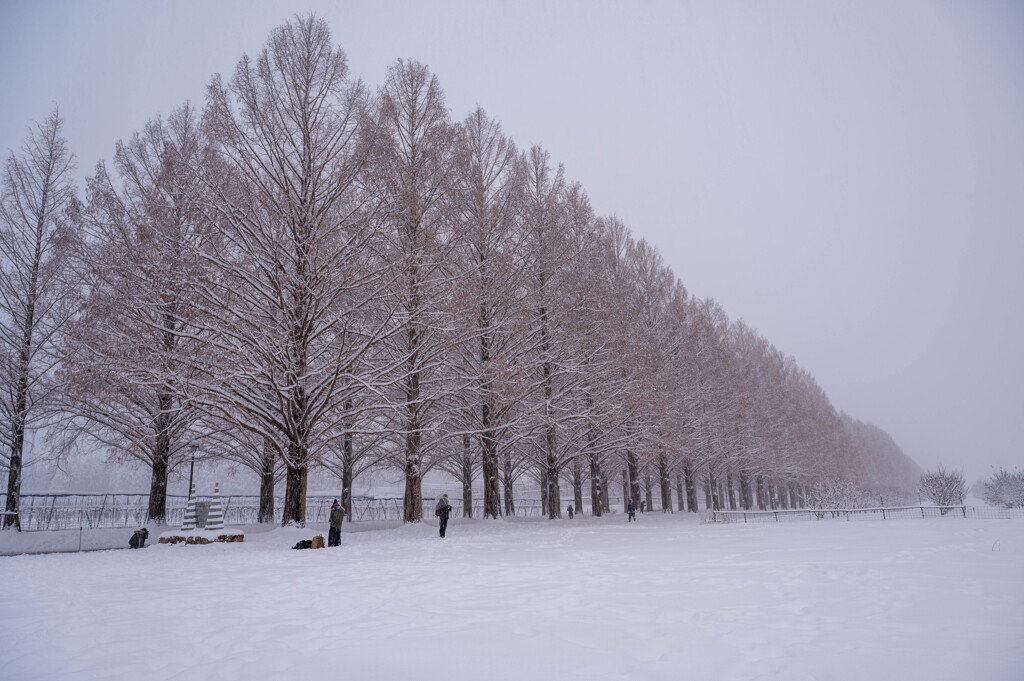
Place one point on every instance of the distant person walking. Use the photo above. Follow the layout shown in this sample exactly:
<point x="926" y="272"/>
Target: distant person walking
<point x="443" y="511"/>
<point x="631" y="510"/>
<point x="337" y="515"/>
<point x="570" y="512"/>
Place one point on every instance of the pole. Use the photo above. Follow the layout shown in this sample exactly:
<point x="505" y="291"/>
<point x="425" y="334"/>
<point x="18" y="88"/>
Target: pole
<point x="192" y="468"/>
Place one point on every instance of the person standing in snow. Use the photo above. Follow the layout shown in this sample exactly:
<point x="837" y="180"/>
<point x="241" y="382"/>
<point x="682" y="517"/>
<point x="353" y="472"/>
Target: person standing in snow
<point x="631" y="510"/>
<point x="570" y="512"/>
<point x="443" y="511"/>
<point x="337" y="515"/>
<point x="643" y="507"/>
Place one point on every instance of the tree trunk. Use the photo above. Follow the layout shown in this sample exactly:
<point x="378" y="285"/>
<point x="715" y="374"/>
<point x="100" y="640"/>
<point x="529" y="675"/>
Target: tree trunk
<point x="161" y="460"/>
<point x="577" y="485"/>
<point x="745" y="497"/>
<point x="20" y="417"/>
<point x="708" y="500"/>
<point x="295" y="496"/>
<point x="13" y="506"/>
<point x="596" y="498"/>
<point x="633" y="466"/>
<point x="691" y="488"/>
<point x="266" y="512"/>
<point x="489" y="467"/>
<point x="649" y="492"/>
<point x="625" y="490"/>
<point x="679" y="492"/>
<point x="554" y="492"/>
<point x="761" y="495"/>
<point x="158" y="489"/>
<point x="467" y="478"/>
<point x="666" y="485"/>
<point x="510" y="504"/>
<point x="543" y="493"/>
<point x="606" y="504"/>
<point x="412" y="504"/>
<point x="488" y="437"/>
<point x="732" y="492"/>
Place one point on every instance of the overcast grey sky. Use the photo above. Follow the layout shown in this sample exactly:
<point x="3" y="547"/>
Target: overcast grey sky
<point x="846" y="177"/>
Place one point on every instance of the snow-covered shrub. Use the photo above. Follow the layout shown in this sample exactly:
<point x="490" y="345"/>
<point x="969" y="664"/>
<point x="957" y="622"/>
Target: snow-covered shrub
<point x="833" y="493"/>
<point x="1005" y="488"/>
<point x="944" y="488"/>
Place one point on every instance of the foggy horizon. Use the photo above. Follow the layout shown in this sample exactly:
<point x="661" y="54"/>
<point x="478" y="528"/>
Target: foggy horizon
<point x="848" y="180"/>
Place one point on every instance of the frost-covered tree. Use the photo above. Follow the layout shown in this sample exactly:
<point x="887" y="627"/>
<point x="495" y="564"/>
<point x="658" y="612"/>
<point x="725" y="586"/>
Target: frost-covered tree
<point x="1004" y="488"/>
<point x="132" y="350"/>
<point x="412" y="177"/>
<point x="489" y="187"/>
<point x="292" y="304"/>
<point x="38" y="234"/>
<point x="943" y="487"/>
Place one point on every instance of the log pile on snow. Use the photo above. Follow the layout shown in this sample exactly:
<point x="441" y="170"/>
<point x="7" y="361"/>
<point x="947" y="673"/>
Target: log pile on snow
<point x="201" y="536"/>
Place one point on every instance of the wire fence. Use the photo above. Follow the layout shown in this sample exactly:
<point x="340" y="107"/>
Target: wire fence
<point x="43" y="512"/>
<point x="859" y="514"/>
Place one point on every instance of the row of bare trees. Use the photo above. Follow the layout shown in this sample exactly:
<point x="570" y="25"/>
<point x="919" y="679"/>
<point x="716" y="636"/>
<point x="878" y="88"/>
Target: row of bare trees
<point x="309" y="273"/>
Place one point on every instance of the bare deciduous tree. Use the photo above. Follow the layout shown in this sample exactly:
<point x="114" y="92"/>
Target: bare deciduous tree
<point x="37" y="236"/>
<point x="290" y="306"/>
<point x="943" y="487"/>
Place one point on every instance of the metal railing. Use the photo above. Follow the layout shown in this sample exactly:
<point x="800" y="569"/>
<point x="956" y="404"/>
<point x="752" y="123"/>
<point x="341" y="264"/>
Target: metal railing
<point x="858" y="514"/>
<point x="42" y="512"/>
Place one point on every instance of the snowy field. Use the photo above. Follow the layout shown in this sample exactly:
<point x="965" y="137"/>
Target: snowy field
<point x="665" y="598"/>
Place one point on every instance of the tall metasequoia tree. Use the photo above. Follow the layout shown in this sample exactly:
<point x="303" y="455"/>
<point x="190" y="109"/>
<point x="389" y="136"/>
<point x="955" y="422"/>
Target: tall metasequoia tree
<point x="290" y="304"/>
<point x="130" y="352"/>
<point x="490" y="179"/>
<point x="412" y="176"/>
<point x="554" y="351"/>
<point x="38" y="233"/>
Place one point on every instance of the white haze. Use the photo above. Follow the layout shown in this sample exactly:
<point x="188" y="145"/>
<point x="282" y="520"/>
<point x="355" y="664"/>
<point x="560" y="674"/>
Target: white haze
<point x="846" y="177"/>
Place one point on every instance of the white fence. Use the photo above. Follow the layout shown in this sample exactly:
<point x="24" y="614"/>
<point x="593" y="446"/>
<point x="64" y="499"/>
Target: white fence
<point x="857" y="514"/>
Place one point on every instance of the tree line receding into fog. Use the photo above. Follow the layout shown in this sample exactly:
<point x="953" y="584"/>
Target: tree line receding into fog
<point x="309" y="272"/>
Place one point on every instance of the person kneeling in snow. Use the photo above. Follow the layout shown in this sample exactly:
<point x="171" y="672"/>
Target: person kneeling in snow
<point x="138" y="540"/>
<point x="337" y="515"/>
<point x="443" y="511"/>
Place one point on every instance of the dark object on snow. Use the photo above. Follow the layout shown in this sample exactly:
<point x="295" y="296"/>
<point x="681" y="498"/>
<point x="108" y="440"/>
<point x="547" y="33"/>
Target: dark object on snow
<point x="304" y="544"/>
<point x="643" y="506"/>
<point x="443" y="510"/>
<point x="570" y="512"/>
<point x="631" y="510"/>
<point x="138" y="540"/>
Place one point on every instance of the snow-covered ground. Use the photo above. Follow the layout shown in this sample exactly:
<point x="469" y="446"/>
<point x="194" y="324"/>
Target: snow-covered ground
<point x="664" y="598"/>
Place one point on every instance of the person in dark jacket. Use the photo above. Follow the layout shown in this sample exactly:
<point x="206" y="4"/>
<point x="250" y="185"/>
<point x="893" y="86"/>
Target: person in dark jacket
<point x="138" y="540"/>
<point x="443" y="511"/>
<point x="570" y="512"/>
<point x="631" y="510"/>
<point x="643" y="506"/>
<point x="337" y="516"/>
